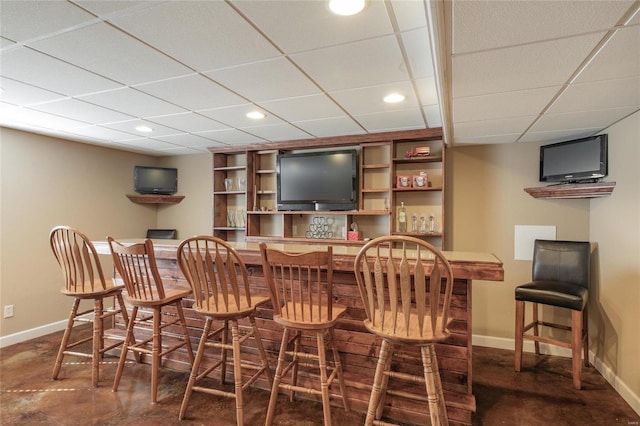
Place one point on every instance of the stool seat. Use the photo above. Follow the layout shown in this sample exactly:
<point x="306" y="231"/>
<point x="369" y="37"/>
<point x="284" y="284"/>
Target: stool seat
<point x="554" y="293"/>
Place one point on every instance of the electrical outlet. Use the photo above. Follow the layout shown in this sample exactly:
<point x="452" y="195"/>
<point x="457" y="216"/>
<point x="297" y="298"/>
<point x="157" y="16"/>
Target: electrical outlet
<point x="8" y="311"/>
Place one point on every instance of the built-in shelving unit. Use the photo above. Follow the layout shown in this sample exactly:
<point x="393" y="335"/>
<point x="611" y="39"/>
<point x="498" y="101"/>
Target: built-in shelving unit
<point x="578" y="190"/>
<point x="155" y="198"/>
<point x="382" y="157"/>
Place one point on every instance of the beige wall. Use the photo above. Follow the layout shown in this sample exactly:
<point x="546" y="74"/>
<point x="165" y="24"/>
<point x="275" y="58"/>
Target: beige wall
<point x="486" y="200"/>
<point x="47" y="182"/>
<point x="615" y="226"/>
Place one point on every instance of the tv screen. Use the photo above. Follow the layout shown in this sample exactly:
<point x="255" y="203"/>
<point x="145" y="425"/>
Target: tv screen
<point x="155" y="180"/>
<point x="323" y="181"/>
<point x="572" y="161"/>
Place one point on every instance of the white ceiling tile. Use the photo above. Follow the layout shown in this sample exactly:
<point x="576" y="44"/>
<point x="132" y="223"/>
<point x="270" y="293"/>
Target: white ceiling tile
<point x="624" y="92"/>
<point x="44" y="120"/>
<point x="623" y="50"/>
<point x="23" y="20"/>
<point x="518" y="68"/>
<point x="111" y="53"/>
<point x="108" y="8"/>
<point x="152" y="144"/>
<point x="186" y="139"/>
<point x="304" y="108"/>
<point x="99" y="132"/>
<point x="231" y="137"/>
<point x="409" y="14"/>
<point x="433" y="115"/>
<point x="194" y="92"/>
<point x="18" y="93"/>
<point x="213" y="27"/>
<point x="188" y="122"/>
<point x="335" y="126"/>
<point x="74" y="108"/>
<point x="484" y="128"/>
<point x="427" y="91"/>
<point x="278" y="132"/>
<point x="266" y="80"/>
<point x="392" y="120"/>
<point x="368" y="100"/>
<point x="580" y="120"/>
<point x="26" y="65"/>
<point x="186" y="151"/>
<point x="416" y="43"/>
<point x="130" y="127"/>
<point x="486" y="140"/>
<point x="480" y="25"/>
<point x="133" y="102"/>
<point x="236" y="116"/>
<point x="310" y="21"/>
<point x="559" y="135"/>
<point x="358" y="64"/>
<point x="498" y="105"/>
<point x="5" y="42"/>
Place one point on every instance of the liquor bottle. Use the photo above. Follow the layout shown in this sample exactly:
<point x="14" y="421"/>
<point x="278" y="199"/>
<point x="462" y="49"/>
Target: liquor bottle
<point x="432" y="223"/>
<point x="402" y="219"/>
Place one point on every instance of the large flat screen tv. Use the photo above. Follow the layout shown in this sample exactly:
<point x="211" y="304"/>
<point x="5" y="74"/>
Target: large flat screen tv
<point x="578" y="160"/>
<point x="155" y="180"/>
<point x="320" y="181"/>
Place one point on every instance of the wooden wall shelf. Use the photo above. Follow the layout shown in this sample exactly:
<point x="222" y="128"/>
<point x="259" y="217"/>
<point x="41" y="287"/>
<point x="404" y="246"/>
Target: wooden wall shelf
<point x="577" y="190"/>
<point x="155" y="199"/>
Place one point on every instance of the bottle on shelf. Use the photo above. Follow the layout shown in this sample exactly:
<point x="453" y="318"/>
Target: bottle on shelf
<point x="402" y="219"/>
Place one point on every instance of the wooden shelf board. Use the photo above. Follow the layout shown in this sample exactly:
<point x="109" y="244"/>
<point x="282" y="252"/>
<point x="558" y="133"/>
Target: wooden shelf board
<point x="427" y="159"/>
<point x="430" y="188"/>
<point x="577" y="190"/>
<point x="324" y="213"/>
<point x="227" y="168"/>
<point x="155" y="198"/>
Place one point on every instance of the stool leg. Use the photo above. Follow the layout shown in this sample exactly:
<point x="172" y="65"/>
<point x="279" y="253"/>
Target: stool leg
<point x="263" y="354"/>
<point x="376" y="389"/>
<point x="338" y="366"/>
<point x="277" y="378"/>
<point x="437" y="408"/>
<point x="98" y="340"/>
<point x="223" y="354"/>
<point x="576" y="346"/>
<point x="194" y="369"/>
<point x="237" y="372"/>
<point x="585" y="331"/>
<point x="65" y="338"/>
<point x="324" y="386"/>
<point x="519" y="331"/>
<point x="155" y="353"/>
<point x="536" y="331"/>
<point x="125" y="348"/>
<point x="294" y="361"/>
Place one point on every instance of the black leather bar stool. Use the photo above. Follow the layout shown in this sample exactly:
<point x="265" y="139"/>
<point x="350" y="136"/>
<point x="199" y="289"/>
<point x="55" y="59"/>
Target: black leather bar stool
<point x="561" y="279"/>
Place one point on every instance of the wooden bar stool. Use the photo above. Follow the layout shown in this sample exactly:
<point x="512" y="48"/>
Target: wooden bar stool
<point x="84" y="280"/>
<point x="220" y="286"/>
<point x="136" y="265"/>
<point x="560" y="278"/>
<point x="406" y="292"/>
<point x="301" y="293"/>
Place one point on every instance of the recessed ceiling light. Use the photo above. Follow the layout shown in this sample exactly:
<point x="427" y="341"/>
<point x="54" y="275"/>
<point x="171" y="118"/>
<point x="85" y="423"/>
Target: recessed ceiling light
<point x="144" y="129"/>
<point x="394" y="98"/>
<point x="255" y="115"/>
<point x="346" y="7"/>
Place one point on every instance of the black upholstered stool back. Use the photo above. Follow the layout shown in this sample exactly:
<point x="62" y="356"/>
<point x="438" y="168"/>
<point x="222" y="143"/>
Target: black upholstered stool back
<point x="563" y="261"/>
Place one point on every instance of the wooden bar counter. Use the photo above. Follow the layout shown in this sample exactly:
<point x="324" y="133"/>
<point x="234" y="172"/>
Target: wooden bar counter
<point x="358" y="347"/>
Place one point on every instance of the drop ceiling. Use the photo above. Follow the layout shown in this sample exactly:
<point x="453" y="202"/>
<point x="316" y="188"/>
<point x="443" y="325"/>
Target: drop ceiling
<point x="92" y="71"/>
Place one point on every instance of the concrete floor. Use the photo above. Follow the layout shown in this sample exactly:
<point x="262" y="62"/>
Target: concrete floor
<point x="542" y="394"/>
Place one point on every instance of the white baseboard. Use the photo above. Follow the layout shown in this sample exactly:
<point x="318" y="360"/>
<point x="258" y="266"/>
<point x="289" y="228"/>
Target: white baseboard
<point x="33" y="333"/>
<point x="528" y="346"/>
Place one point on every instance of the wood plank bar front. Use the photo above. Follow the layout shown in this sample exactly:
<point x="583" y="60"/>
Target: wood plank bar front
<point x="358" y="347"/>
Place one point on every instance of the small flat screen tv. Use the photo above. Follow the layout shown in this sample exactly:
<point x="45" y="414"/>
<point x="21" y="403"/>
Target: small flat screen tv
<point x="320" y="181"/>
<point x="574" y="161"/>
<point x="155" y="180"/>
